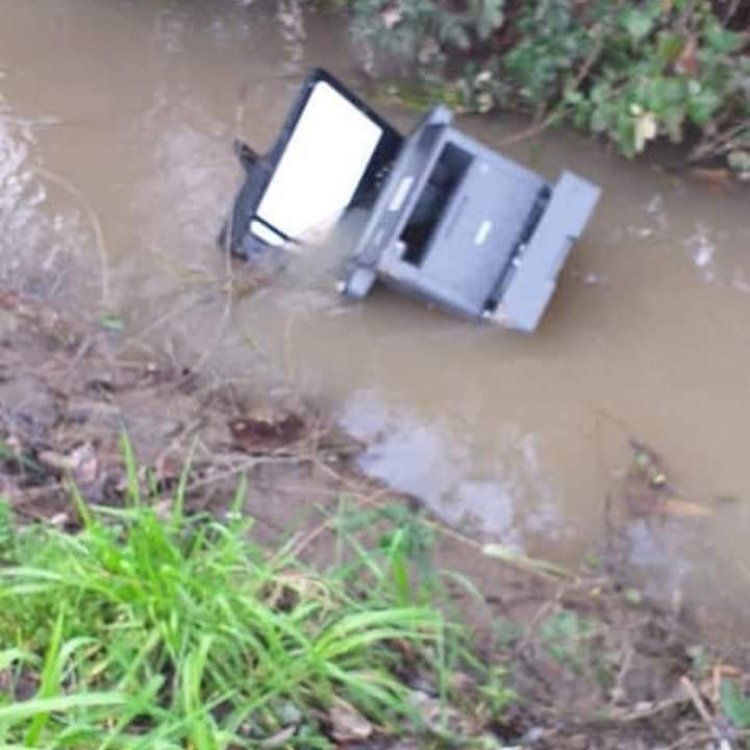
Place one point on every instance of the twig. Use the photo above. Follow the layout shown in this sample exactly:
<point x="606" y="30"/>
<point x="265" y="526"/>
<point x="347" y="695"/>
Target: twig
<point x="287" y="348"/>
<point x="734" y="6"/>
<point x="316" y="531"/>
<point x="223" y="320"/>
<point x="598" y="725"/>
<point x="687" y="13"/>
<point x="95" y="225"/>
<point x="625" y="665"/>
<point x="81" y="353"/>
<point x="700" y="707"/>
<point x="699" y="740"/>
<point x="165" y="318"/>
<point x="248" y="463"/>
<point x="449" y="532"/>
<point x="239" y="116"/>
<point x="650" y="712"/>
<point x="714" y="146"/>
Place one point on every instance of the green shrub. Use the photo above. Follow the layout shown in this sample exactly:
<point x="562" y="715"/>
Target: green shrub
<point x="631" y="71"/>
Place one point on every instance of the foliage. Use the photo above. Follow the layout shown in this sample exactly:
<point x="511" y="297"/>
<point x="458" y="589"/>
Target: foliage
<point x="423" y="29"/>
<point x="735" y="705"/>
<point x="631" y="71"/>
<point x="567" y="637"/>
<point x="7" y="530"/>
<point x="142" y="631"/>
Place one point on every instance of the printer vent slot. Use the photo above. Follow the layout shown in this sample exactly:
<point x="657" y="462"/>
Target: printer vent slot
<point x="428" y="210"/>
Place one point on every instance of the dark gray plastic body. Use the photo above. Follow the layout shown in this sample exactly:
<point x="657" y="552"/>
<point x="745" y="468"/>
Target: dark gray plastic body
<point x="459" y="225"/>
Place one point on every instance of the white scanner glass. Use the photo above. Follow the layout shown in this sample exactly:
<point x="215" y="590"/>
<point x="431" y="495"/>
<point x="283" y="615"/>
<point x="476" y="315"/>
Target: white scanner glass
<point x="322" y="164"/>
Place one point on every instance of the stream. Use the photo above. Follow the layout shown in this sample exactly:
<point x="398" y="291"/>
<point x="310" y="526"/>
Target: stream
<point x="116" y="170"/>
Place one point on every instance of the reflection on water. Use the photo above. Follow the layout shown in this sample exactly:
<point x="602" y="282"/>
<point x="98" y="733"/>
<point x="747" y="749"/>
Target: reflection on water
<point x="116" y="120"/>
<point x="506" y="499"/>
<point x="29" y="221"/>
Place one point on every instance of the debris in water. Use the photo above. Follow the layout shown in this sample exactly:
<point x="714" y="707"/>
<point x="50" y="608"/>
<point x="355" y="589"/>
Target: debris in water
<point x="430" y="197"/>
<point x="649" y="492"/>
<point x="717" y="180"/>
<point x="266" y="429"/>
<point x="540" y="567"/>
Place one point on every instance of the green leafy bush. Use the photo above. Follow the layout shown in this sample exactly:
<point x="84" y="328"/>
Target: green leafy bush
<point x="631" y="71"/>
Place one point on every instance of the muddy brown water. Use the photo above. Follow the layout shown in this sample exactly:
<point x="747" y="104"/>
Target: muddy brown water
<point x="116" y="119"/>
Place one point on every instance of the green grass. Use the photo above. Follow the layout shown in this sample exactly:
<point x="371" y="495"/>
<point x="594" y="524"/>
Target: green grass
<point x="140" y="633"/>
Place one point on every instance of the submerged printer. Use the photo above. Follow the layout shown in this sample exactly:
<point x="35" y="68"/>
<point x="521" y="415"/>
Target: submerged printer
<point x="448" y="220"/>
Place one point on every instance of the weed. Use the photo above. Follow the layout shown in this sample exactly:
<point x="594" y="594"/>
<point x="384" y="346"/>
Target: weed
<point x="507" y="632"/>
<point x="736" y="706"/>
<point x="19" y="462"/>
<point x="566" y="637"/>
<point x="138" y="633"/>
<point x="399" y="556"/>
<point x="700" y="660"/>
<point x="7" y="530"/>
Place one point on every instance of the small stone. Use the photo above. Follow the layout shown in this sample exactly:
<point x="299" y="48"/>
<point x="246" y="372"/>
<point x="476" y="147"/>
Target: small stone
<point x="288" y="713"/>
<point x="347" y="724"/>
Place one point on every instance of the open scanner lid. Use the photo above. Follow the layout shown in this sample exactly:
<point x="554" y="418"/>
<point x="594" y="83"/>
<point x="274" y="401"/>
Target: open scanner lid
<point x="328" y="156"/>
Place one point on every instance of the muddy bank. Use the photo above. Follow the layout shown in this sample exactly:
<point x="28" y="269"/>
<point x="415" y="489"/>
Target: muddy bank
<point x="68" y="393"/>
<point x="593" y="662"/>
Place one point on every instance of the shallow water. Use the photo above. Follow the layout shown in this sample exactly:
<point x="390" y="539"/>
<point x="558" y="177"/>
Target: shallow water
<point x="116" y="120"/>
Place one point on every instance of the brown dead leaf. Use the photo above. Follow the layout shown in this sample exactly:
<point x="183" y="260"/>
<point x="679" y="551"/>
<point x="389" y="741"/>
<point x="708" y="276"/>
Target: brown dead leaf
<point x="687" y="62"/>
<point x="168" y="467"/>
<point x="347" y="724"/>
<point x="82" y="463"/>
<point x="85" y="464"/>
<point x="717" y="179"/>
<point x="266" y="430"/>
<point x="649" y="492"/>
